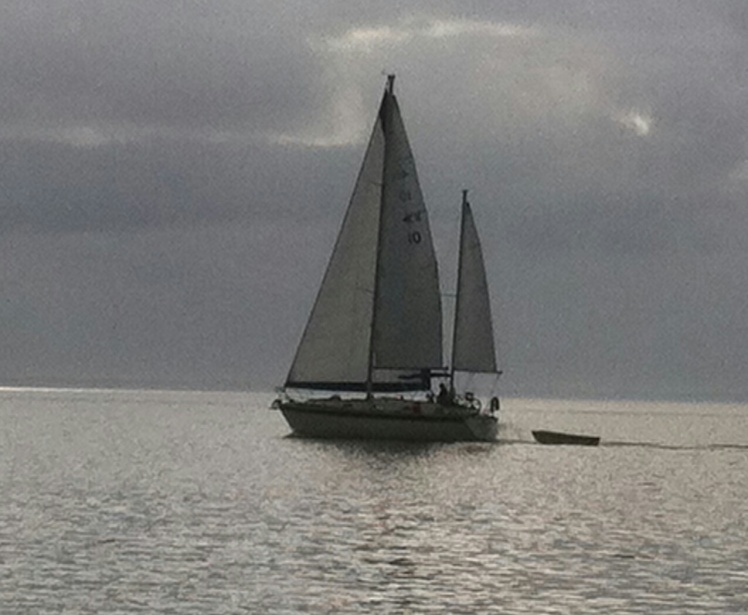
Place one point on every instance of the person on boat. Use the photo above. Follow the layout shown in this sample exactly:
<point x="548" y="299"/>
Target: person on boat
<point x="446" y="396"/>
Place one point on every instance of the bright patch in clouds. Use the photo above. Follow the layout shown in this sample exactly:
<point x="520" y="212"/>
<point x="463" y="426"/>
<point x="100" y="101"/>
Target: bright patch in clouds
<point x="366" y="50"/>
<point x="739" y="176"/>
<point x="344" y="125"/>
<point x="83" y="136"/>
<point x="367" y="40"/>
<point x="640" y="123"/>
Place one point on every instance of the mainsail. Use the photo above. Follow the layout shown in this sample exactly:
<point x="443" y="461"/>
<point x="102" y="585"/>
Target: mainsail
<point x="408" y="316"/>
<point x="473" y="344"/>
<point x="376" y="323"/>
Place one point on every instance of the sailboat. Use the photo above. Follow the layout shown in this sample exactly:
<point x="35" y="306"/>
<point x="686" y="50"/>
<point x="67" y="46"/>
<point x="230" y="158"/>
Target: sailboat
<point x="373" y="341"/>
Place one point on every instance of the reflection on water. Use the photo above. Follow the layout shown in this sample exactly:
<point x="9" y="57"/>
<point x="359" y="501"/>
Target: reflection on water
<point x="155" y="502"/>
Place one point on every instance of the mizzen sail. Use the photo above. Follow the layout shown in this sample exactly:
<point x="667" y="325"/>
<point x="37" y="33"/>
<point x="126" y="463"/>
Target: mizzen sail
<point x="473" y="346"/>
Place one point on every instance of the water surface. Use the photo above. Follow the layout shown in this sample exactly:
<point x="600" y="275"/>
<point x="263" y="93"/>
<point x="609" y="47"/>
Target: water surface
<point x="183" y="502"/>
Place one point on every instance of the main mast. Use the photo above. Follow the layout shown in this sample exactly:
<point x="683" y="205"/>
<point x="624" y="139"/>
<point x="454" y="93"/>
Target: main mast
<point x="385" y="118"/>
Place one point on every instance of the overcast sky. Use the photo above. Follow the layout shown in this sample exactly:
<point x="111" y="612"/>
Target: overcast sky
<point x="173" y="174"/>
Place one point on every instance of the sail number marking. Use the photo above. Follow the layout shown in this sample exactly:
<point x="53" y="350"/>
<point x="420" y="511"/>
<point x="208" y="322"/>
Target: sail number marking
<point x="414" y="216"/>
<point x="414" y="236"/>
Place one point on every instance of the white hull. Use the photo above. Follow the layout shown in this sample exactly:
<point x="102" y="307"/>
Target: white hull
<point x="388" y="419"/>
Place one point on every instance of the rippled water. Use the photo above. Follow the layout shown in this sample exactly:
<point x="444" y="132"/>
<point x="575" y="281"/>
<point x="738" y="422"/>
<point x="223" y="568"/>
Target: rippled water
<point x="163" y="502"/>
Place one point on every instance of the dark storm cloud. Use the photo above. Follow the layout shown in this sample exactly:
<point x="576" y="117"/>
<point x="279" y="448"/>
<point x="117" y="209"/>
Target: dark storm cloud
<point x="665" y="167"/>
<point x="172" y="175"/>
<point x="56" y="187"/>
<point x="172" y="64"/>
<point x="136" y="91"/>
<point x="165" y="307"/>
<point x="122" y="115"/>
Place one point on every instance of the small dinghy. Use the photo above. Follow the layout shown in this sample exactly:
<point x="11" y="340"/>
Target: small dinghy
<point x="556" y="437"/>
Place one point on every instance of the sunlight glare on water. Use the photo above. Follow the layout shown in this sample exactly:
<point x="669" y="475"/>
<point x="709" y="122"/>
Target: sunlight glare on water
<point x="183" y="502"/>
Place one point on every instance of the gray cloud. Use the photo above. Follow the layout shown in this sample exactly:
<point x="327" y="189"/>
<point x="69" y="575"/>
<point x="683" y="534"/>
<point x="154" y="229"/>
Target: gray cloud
<point x="55" y="187"/>
<point x="172" y="174"/>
